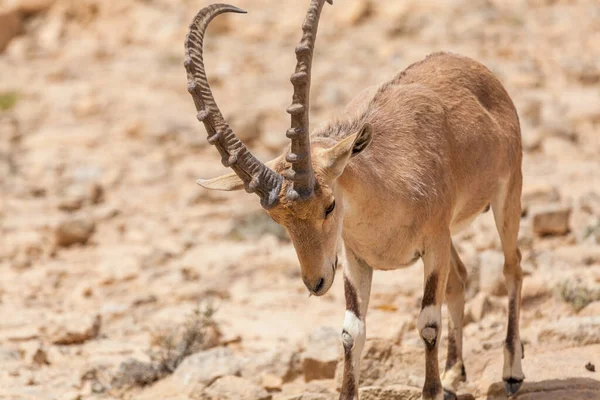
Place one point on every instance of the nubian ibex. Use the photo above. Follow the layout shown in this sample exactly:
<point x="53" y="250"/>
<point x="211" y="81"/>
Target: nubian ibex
<point x="409" y="163"/>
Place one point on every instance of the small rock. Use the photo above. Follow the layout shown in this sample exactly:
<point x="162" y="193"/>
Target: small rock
<point x="86" y="107"/>
<point x="74" y="231"/>
<point x="309" y="396"/>
<point x="383" y="362"/>
<point x="550" y="220"/>
<point x="578" y="331"/>
<point x="491" y="275"/>
<point x="75" y="330"/>
<point x="11" y="24"/>
<point x="271" y="383"/>
<point x="206" y="366"/>
<point x="394" y="392"/>
<point x="234" y="388"/>
<point x="323" y="350"/>
<point x="541" y="193"/>
<point x="590" y="367"/>
<point x="477" y="308"/>
<point x="534" y="288"/>
<point x="283" y="363"/>
<point x="35" y="354"/>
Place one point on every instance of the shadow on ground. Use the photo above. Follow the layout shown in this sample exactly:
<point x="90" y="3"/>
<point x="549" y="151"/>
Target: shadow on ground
<point x="554" y="389"/>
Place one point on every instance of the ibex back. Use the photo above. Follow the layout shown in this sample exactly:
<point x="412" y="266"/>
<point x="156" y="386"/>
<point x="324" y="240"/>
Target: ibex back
<point x="408" y="164"/>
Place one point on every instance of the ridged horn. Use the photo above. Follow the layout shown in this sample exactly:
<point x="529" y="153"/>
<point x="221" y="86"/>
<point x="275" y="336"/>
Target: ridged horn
<point x="301" y="173"/>
<point x="257" y="177"/>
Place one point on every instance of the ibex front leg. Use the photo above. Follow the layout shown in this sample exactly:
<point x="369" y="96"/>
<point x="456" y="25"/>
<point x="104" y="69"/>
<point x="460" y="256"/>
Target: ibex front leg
<point x="357" y="287"/>
<point x="437" y="264"/>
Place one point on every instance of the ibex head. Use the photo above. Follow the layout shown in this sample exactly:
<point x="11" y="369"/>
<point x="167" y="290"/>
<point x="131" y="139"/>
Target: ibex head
<point x="297" y="189"/>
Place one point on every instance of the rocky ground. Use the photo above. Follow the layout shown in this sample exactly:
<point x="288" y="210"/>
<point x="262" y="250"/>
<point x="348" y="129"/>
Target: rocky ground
<point x="120" y="278"/>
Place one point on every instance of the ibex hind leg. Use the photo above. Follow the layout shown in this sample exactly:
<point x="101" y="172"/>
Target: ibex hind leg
<point x="454" y="373"/>
<point x="506" y="205"/>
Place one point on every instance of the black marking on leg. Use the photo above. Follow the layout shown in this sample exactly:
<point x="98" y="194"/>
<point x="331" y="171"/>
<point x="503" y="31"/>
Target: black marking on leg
<point x="432" y="389"/>
<point x="486" y="209"/>
<point x="512" y="386"/>
<point x="433" y="386"/>
<point x="452" y="356"/>
<point x="463" y="373"/>
<point x="512" y="326"/>
<point x="351" y="298"/>
<point x="522" y="351"/>
<point x="430" y="290"/>
<point x="349" y="387"/>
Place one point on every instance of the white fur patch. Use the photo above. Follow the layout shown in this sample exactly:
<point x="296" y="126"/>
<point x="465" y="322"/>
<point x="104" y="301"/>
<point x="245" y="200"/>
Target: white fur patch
<point x="513" y="370"/>
<point x="354" y="326"/>
<point x="430" y="315"/>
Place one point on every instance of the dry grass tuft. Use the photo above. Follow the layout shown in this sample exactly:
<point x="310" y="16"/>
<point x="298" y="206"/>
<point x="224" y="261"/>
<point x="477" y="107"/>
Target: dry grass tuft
<point x="169" y="349"/>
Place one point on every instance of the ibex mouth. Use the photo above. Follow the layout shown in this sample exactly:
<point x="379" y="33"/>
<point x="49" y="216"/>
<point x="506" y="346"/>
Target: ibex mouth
<point x="334" y="265"/>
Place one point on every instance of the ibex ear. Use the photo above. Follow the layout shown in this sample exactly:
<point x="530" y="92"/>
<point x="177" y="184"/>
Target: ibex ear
<point x="227" y="183"/>
<point x="336" y="157"/>
<point x="231" y="182"/>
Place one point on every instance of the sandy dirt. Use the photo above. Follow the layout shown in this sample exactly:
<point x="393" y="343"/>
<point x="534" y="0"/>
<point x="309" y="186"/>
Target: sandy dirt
<point x="106" y="241"/>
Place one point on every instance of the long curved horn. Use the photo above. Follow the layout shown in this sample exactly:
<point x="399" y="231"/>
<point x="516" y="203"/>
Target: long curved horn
<point x="301" y="174"/>
<point x="257" y="177"/>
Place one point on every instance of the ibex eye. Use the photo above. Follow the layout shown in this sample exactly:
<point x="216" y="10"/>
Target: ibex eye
<point x="330" y="209"/>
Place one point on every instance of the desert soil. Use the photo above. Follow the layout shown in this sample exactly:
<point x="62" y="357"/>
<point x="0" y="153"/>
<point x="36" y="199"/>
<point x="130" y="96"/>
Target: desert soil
<point x="106" y="242"/>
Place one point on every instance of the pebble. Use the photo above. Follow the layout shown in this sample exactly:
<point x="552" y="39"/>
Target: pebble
<point x="577" y="331"/>
<point x="75" y="329"/>
<point x="207" y="366"/>
<point x="234" y="388"/>
<point x="323" y="350"/>
<point x="74" y="231"/>
<point x="550" y="220"/>
<point x="477" y="308"/>
<point x="394" y="392"/>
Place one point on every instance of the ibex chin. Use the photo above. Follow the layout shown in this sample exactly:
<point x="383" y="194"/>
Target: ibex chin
<point x="409" y="163"/>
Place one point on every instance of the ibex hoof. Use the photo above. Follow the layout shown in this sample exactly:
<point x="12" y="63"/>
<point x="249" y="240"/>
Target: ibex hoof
<point x="448" y="395"/>
<point x="512" y="386"/>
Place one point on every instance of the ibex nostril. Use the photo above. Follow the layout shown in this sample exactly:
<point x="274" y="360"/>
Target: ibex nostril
<point x="320" y="285"/>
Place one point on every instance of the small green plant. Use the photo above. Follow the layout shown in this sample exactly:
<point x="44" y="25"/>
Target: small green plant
<point x="8" y="100"/>
<point x="576" y="294"/>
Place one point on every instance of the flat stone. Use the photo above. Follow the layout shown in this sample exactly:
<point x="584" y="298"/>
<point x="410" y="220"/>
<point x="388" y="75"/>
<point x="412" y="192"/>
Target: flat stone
<point x="550" y="220"/>
<point x="74" y="231"/>
<point x="234" y="388"/>
<point x="579" y="331"/>
<point x="477" y="308"/>
<point x="207" y="366"/>
<point x="322" y="354"/>
<point x="394" y="392"/>
<point x="75" y="329"/>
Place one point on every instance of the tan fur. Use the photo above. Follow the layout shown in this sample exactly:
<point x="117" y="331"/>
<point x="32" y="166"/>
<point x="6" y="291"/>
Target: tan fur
<point x="445" y="144"/>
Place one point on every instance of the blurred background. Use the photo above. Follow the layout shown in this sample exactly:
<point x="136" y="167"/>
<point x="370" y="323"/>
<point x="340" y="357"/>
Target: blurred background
<point x="121" y="278"/>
